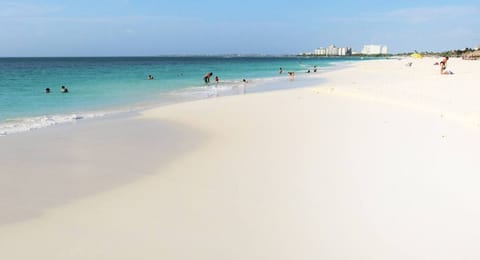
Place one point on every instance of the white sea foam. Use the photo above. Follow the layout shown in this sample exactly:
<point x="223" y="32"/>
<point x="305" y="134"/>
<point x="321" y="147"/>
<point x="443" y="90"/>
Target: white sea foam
<point x="33" y="123"/>
<point x="224" y="88"/>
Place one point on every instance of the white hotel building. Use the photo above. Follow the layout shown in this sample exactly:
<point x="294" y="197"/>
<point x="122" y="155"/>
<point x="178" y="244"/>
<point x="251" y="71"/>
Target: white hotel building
<point x="333" y="51"/>
<point x="374" y="49"/>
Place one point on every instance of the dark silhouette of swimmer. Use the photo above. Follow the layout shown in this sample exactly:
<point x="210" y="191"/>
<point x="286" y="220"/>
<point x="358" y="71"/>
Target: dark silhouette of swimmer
<point x="63" y="89"/>
<point x="47" y="90"/>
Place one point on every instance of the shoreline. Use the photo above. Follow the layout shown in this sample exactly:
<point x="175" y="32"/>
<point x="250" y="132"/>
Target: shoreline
<point x="226" y="88"/>
<point x="379" y="162"/>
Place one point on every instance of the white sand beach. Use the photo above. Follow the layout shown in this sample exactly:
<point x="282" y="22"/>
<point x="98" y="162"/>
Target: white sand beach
<point x="380" y="162"/>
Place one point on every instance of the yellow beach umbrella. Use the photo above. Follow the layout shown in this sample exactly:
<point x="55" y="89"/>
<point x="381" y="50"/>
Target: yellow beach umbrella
<point x="416" y="55"/>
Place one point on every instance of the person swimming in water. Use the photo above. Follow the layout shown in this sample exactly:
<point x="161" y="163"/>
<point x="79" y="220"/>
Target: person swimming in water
<point x="63" y="89"/>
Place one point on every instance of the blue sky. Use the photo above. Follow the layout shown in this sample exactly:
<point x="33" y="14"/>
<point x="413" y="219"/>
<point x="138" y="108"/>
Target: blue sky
<point x="147" y="27"/>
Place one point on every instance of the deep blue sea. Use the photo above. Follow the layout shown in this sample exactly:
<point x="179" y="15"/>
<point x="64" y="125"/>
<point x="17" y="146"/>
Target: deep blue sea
<point x="100" y="86"/>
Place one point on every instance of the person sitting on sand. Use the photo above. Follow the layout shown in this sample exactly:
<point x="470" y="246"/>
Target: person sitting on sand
<point x="63" y="89"/>
<point x="443" y="67"/>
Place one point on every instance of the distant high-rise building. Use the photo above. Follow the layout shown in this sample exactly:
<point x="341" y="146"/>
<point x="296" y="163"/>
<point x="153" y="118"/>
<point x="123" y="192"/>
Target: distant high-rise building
<point x="374" y="49"/>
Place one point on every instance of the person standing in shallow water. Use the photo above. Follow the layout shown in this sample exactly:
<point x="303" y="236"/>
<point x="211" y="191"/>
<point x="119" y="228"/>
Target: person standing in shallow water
<point x="207" y="76"/>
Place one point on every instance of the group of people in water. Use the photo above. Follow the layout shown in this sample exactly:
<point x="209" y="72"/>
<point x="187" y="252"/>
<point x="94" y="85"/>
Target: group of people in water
<point x="206" y="78"/>
<point x="291" y="74"/>
<point x="63" y="89"/>
<point x="208" y="75"/>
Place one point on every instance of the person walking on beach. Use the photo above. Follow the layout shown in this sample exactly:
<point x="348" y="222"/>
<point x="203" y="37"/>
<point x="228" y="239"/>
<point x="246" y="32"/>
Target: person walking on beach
<point x="207" y="76"/>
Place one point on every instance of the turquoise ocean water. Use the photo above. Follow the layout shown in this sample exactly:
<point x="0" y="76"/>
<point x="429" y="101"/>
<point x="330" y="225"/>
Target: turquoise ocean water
<point x="104" y="85"/>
